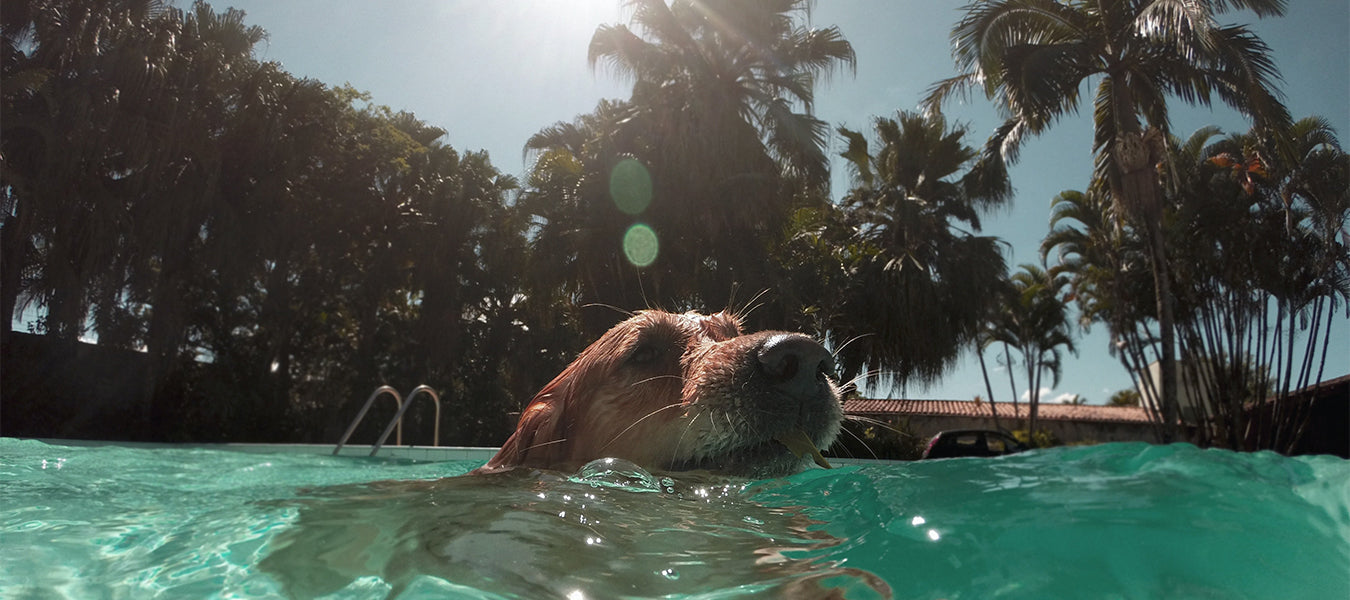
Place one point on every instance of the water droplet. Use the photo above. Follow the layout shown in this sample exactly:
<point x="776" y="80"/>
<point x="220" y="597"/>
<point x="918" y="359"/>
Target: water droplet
<point x="616" y="473"/>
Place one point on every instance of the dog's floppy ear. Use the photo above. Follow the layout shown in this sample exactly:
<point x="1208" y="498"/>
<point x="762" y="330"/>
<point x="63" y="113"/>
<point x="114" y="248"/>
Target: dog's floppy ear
<point x="540" y="438"/>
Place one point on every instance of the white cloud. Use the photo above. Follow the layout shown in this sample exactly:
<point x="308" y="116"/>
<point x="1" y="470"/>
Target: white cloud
<point x="1063" y="398"/>
<point x="1026" y="395"/>
<point x="1046" y="397"/>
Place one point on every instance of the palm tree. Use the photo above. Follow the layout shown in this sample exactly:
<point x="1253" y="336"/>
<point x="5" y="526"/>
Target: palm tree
<point x="213" y="54"/>
<point x="724" y="91"/>
<point x="1109" y="281"/>
<point x="919" y="286"/>
<point x="1253" y="266"/>
<point x="1035" y="321"/>
<point x="725" y="65"/>
<point x="1264" y="210"/>
<point x="1032" y="56"/>
<point x="72" y="70"/>
<point x="1125" y="397"/>
<point x="577" y="229"/>
<point x="980" y="347"/>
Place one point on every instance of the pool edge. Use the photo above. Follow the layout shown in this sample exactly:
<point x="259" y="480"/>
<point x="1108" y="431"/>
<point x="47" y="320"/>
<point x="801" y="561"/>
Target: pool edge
<point x="423" y="453"/>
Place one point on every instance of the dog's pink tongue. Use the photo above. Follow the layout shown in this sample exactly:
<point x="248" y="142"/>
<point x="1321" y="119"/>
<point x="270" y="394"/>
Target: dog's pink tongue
<point x="800" y="444"/>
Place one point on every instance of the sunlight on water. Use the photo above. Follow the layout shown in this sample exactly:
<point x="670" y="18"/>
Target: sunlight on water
<point x="1112" y="521"/>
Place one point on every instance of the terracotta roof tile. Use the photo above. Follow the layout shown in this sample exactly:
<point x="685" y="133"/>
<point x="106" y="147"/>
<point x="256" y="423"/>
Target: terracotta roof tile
<point x="963" y="408"/>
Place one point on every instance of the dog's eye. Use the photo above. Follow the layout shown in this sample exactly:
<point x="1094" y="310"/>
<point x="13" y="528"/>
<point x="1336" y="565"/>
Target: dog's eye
<point x="644" y="354"/>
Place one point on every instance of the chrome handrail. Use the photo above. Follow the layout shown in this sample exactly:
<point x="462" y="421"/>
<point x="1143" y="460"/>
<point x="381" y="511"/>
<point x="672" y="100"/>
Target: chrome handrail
<point x="361" y="415"/>
<point x="398" y="419"/>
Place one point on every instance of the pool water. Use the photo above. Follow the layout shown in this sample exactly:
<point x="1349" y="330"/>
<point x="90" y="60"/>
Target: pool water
<point x="1109" y="521"/>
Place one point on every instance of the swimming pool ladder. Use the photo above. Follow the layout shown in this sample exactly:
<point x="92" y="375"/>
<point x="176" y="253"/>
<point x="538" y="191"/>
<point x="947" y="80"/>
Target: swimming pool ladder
<point x="397" y="421"/>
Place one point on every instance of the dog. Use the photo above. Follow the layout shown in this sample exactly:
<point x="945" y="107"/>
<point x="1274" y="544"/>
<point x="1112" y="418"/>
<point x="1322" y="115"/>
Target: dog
<point x="684" y="392"/>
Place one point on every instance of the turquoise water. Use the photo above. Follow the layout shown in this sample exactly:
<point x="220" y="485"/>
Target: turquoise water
<point x="1110" y="521"/>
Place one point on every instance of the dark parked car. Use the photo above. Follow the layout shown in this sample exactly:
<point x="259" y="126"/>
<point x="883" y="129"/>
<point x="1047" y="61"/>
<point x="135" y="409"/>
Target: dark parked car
<point x="971" y="442"/>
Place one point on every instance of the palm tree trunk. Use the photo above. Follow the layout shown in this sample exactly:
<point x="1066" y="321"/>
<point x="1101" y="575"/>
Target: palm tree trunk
<point x="1012" y="383"/>
<point x="989" y="389"/>
<point x="1033" y="391"/>
<point x="1166" y="332"/>
<point x="14" y="243"/>
<point x="1137" y="193"/>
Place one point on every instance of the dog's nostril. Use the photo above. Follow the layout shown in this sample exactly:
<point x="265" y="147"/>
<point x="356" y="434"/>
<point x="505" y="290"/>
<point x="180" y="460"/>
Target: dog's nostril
<point x="794" y="362"/>
<point x="788" y="367"/>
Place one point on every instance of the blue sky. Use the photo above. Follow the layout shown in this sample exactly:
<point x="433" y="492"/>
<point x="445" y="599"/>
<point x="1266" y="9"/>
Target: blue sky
<point x="493" y="73"/>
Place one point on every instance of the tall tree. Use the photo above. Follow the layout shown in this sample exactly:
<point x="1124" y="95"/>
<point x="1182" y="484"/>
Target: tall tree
<point x="919" y="278"/>
<point x="72" y="72"/>
<point x="725" y="90"/>
<point x="1261" y="215"/>
<point x="214" y="51"/>
<point x="1033" y="56"/>
<point x="1259" y="260"/>
<point x="578" y="229"/>
<point x="1034" y="320"/>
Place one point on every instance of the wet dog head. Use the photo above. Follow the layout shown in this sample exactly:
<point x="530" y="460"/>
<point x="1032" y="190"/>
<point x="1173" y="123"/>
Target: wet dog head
<point x="673" y="392"/>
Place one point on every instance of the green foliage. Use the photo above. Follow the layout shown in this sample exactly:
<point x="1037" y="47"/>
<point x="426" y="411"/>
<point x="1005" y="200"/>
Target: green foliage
<point x="1125" y="397"/>
<point x="1252" y="226"/>
<point x="917" y="282"/>
<point x="1033" y="319"/>
<point x="1033" y="58"/>
<point x="279" y="247"/>
<point x="728" y="140"/>
<point x="886" y="440"/>
<point x="1042" y="438"/>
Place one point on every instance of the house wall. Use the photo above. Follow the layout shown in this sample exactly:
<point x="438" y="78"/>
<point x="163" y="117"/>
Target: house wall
<point x="1068" y="432"/>
<point x="84" y="392"/>
<point x="1189" y="404"/>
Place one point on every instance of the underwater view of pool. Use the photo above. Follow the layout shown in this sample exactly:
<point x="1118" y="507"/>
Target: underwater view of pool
<point x="1108" y="521"/>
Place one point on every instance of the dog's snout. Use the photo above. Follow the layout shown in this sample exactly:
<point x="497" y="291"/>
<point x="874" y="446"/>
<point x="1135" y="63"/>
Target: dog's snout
<point x="794" y="362"/>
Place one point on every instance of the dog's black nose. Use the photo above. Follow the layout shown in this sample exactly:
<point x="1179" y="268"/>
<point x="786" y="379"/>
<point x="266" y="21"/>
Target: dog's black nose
<point x="795" y="363"/>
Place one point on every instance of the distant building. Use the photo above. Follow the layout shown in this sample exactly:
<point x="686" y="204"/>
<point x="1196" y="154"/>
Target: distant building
<point x="1070" y="423"/>
<point x="1192" y="391"/>
<point x="1327" y="407"/>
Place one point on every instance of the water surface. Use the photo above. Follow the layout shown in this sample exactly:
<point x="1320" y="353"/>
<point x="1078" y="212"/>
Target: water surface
<point x="1110" y="521"/>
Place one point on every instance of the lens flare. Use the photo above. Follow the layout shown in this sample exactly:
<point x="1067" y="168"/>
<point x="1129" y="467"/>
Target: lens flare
<point x="640" y="245"/>
<point x="630" y="186"/>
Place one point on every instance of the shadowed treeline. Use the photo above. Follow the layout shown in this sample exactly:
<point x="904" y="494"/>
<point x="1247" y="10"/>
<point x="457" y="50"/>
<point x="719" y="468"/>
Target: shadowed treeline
<point x="273" y="248"/>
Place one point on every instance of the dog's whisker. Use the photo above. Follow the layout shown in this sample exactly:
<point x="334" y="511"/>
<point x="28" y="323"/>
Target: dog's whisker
<point x="635" y="423"/>
<point x="862" y="378"/>
<point x="626" y="313"/>
<point x="850" y="341"/>
<point x="751" y="305"/>
<point x="548" y="443"/>
<point x="675" y="452"/>
<point x="861" y="441"/>
<point x="852" y="384"/>
<point x="679" y="378"/>
<point x="878" y="423"/>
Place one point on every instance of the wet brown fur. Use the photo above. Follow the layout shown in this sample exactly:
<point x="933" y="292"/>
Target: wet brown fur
<point x="667" y="391"/>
